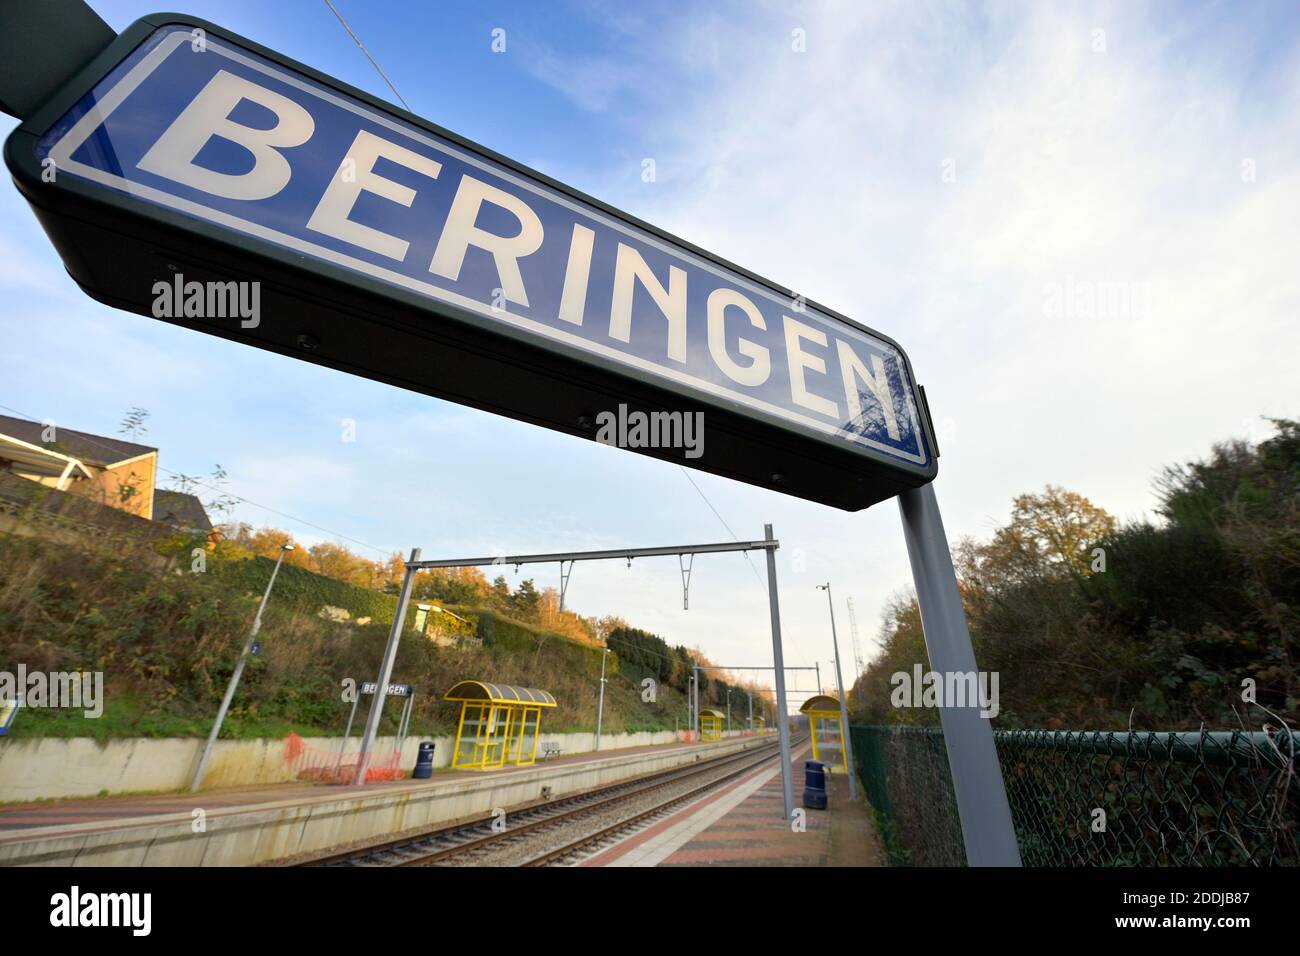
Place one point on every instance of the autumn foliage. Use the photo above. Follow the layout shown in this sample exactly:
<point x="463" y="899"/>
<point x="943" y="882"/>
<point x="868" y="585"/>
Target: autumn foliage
<point x="1168" y="624"/>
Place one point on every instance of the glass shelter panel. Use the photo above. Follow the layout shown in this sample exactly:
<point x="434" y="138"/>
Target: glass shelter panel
<point x="471" y="722"/>
<point x="828" y="742"/>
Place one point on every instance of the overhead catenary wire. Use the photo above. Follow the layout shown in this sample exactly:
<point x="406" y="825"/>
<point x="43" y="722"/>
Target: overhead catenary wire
<point x="701" y="493"/>
<point x="373" y="61"/>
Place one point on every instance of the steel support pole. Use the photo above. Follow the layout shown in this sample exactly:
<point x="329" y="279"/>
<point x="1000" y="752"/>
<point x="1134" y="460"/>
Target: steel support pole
<point x="234" y="680"/>
<point x="778" y="662"/>
<point x="987" y="829"/>
<point x="347" y="731"/>
<point x="690" y="703"/>
<point x="600" y="708"/>
<point x="386" y="670"/>
<point x="819" y="677"/>
<point x="690" y="690"/>
<point x="844" y="706"/>
<point x="695" y="697"/>
<point x="404" y="724"/>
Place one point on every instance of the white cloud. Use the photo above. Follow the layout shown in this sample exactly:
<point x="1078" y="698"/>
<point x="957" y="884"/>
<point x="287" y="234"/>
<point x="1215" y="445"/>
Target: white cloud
<point x="824" y="170"/>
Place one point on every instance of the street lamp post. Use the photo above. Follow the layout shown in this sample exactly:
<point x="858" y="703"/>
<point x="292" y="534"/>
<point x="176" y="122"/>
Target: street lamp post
<point x="239" y="671"/>
<point x="690" y="710"/>
<point x="695" y="703"/>
<point x="844" y="707"/>
<point x="600" y="709"/>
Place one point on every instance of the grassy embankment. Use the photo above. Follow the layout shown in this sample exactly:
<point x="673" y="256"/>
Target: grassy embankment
<point x="166" y="643"/>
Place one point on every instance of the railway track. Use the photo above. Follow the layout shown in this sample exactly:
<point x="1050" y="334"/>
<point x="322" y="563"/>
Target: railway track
<point x="556" y="832"/>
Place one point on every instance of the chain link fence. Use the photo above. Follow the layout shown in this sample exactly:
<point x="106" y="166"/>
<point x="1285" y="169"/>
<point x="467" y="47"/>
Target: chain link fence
<point x="1096" y="798"/>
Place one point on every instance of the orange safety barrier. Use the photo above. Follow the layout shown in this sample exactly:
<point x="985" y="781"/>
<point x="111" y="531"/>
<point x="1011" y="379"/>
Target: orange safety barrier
<point x="335" y="767"/>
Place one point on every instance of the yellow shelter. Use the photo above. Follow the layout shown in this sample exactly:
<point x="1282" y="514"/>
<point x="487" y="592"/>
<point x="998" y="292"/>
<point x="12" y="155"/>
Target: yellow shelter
<point x="711" y="724"/>
<point x="499" y="724"/>
<point x="827" y="735"/>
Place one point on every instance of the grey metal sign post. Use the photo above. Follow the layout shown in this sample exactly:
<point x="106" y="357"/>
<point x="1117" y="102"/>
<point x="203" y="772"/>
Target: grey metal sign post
<point x="986" y="826"/>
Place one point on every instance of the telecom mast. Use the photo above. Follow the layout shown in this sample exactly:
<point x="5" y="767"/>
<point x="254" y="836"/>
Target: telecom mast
<point x="853" y="630"/>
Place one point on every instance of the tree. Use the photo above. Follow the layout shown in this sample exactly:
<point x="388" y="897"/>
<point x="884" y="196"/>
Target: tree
<point x="336" y="561"/>
<point x="222" y="504"/>
<point x="603" y="627"/>
<point x="498" y="597"/>
<point x="463" y="586"/>
<point x="1050" y="534"/>
<point x="133" y="423"/>
<point x="525" y="603"/>
<point x="551" y="618"/>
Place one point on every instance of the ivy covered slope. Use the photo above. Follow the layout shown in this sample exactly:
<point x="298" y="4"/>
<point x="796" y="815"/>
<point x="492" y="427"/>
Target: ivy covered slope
<point x="166" y="637"/>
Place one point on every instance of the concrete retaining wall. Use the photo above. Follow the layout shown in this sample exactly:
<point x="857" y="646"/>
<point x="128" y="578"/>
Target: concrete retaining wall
<point x="236" y="836"/>
<point x="52" y="767"/>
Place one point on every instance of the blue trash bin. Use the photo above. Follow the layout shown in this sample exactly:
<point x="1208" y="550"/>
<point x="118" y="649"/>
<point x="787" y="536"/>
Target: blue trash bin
<point x="424" y="762"/>
<point x="814" y="785"/>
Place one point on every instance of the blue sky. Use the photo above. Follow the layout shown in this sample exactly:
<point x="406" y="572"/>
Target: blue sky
<point x="953" y="175"/>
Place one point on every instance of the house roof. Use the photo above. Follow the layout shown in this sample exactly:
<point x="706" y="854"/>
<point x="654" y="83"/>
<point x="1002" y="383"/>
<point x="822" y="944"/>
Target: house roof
<point x="33" y="459"/>
<point x="180" y="509"/>
<point x="96" y="449"/>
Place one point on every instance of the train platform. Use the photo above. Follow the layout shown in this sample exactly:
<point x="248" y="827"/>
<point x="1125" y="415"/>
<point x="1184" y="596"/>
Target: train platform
<point x="107" y="811"/>
<point x="740" y="825"/>
<point x="259" y="825"/>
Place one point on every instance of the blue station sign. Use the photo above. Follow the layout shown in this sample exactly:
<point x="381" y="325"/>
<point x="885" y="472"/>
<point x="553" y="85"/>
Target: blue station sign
<point x="383" y="245"/>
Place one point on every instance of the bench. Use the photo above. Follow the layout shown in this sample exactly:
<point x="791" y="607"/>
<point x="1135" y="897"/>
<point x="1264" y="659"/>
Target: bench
<point x="549" y="750"/>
